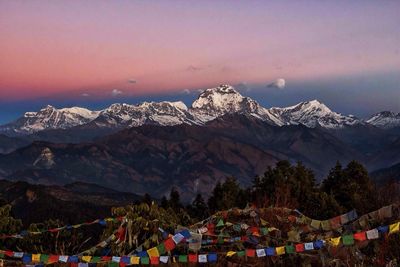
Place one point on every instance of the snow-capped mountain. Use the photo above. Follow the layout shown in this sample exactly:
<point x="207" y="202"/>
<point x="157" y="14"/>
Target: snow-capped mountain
<point x="160" y="113"/>
<point x="385" y="120"/>
<point x="224" y="99"/>
<point x="312" y="114"/>
<point x="211" y="104"/>
<point x="50" y="118"/>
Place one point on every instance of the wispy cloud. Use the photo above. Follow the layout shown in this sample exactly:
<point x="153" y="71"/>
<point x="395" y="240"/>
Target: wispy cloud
<point x="186" y="91"/>
<point x="85" y="95"/>
<point x="116" y="92"/>
<point x="242" y="86"/>
<point x="192" y="68"/>
<point x="133" y="81"/>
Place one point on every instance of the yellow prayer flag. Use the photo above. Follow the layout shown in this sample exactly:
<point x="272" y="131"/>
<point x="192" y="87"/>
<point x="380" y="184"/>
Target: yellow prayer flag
<point x="393" y="228"/>
<point x="316" y="224"/>
<point x="263" y="222"/>
<point x="230" y="253"/>
<point x="86" y="258"/>
<point x="135" y="260"/>
<point x="153" y="252"/>
<point x="280" y="250"/>
<point x="35" y="257"/>
<point x="335" y="241"/>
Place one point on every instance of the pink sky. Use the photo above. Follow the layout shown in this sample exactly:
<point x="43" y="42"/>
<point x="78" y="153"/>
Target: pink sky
<point x="58" y="47"/>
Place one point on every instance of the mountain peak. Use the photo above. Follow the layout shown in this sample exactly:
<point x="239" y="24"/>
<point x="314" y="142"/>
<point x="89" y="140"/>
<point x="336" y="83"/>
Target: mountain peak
<point x="385" y="119"/>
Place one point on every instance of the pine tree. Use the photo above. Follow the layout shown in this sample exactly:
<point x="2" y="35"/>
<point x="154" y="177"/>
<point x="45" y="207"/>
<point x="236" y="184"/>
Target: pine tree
<point x="175" y="200"/>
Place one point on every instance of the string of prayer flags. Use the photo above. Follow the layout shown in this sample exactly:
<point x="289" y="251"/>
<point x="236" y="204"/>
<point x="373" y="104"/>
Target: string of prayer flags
<point x="25" y="233"/>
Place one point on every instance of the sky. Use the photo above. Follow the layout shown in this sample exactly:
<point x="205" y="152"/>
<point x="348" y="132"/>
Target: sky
<point x="94" y="53"/>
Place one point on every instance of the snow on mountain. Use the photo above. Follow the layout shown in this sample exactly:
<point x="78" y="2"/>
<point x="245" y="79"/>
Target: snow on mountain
<point x="160" y="113"/>
<point x="385" y="120"/>
<point x="211" y="103"/>
<point x="50" y="118"/>
<point x="312" y="114"/>
<point x="215" y="102"/>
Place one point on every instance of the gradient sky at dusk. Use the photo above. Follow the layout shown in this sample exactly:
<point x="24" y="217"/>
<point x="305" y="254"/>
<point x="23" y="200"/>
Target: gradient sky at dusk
<point x="345" y="53"/>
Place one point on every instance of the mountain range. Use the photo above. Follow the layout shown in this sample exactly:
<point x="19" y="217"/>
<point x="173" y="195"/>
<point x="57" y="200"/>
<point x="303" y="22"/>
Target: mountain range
<point x="152" y="147"/>
<point x="211" y="104"/>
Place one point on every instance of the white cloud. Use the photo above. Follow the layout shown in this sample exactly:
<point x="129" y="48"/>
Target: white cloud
<point x="85" y="95"/>
<point x="243" y="86"/>
<point x="116" y="92"/>
<point x="186" y="91"/>
<point x="279" y="83"/>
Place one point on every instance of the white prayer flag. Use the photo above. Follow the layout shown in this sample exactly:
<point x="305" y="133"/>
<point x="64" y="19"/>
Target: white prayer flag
<point x="260" y="252"/>
<point x="373" y="234"/>
<point x="202" y="258"/>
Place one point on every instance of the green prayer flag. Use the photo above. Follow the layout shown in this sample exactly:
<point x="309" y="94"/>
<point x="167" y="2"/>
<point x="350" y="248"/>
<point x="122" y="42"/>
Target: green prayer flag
<point x="44" y="258"/>
<point x="113" y="264"/>
<point x="161" y="249"/>
<point x="348" y="240"/>
<point x="220" y="223"/>
<point x="145" y="260"/>
<point x="237" y="227"/>
<point x="95" y="259"/>
<point x="183" y="258"/>
<point x="289" y="249"/>
<point x="264" y="231"/>
<point x="241" y="253"/>
<point x="1" y="255"/>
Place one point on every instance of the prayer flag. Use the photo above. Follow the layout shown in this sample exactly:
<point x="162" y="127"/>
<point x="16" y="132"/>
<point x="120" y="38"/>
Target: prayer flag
<point x="183" y="258"/>
<point x="335" y="241"/>
<point x="192" y="257"/>
<point x="372" y="234"/>
<point x="261" y="252"/>
<point x="153" y="252"/>
<point x="289" y="249"/>
<point x="164" y="259"/>
<point x="393" y="228"/>
<point x="230" y="253"/>
<point x="309" y="246"/>
<point x="361" y="236"/>
<point x="348" y="240"/>
<point x="280" y="250"/>
<point x="169" y="244"/>
<point x="135" y="260"/>
<point x="212" y="257"/>
<point x="270" y="251"/>
<point x="86" y="258"/>
<point x="202" y="258"/>
<point x="154" y="260"/>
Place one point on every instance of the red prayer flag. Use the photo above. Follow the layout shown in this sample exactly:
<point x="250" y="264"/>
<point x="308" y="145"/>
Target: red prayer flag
<point x="292" y="218"/>
<point x="121" y="234"/>
<point x="192" y="257"/>
<point x="105" y="258"/>
<point x="335" y="222"/>
<point x="53" y="259"/>
<point x="254" y="230"/>
<point x="299" y="247"/>
<point x="122" y="264"/>
<point x="250" y="252"/>
<point x="169" y="244"/>
<point x="155" y="260"/>
<point x="9" y="253"/>
<point x="73" y="264"/>
<point x="361" y="236"/>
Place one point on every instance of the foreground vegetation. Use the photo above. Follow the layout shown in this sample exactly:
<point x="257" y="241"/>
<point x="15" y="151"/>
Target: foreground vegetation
<point x="285" y="185"/>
